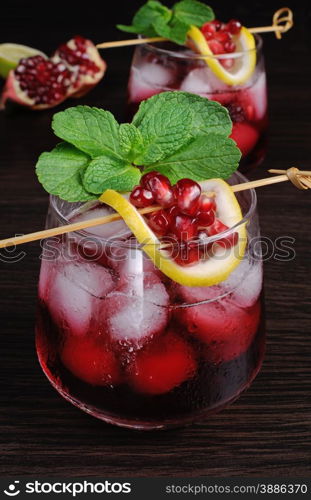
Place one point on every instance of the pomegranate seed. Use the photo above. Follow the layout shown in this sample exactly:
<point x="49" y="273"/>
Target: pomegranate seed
<point x="223" y="27"/>
<point x="206" y="218"/>
<point x="216" y="47"/>
<point x="236" y="112"/>
<point x="208" y="35"/>
<point x="228" y="241"/>
<point x="217" y="24"/>
<point x="188" y="254"/>
<point x="217" y="227"/>
<point x="187" y="193"/>
<point x="234" y="26"/>
<point x="208" y="28"/>
<point x="160" y="187"/>
<point x="145" y="178"/>
<point x="222" y="36"/>
<point x="229" y="46"/>
<point x="171" y="214"/>
<point x="227" y="63"/>
<point x="159" y="222"/>
<point x="141" y="197"/>
<point x="185" y="228"/>
<point x="207" y="204"/>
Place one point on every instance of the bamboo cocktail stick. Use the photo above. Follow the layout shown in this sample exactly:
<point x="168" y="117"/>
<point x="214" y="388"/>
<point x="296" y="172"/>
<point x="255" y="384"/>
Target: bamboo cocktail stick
<point x="282" y="21"/>
<point x="301" y="179"/>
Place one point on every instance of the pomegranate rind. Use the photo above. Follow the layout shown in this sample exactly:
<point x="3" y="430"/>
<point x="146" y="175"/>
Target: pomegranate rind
<point x="13" y="92"/>
<point x="208" y="272"/>
<point x="245" y="43"/>
<point x="89" y="81"/>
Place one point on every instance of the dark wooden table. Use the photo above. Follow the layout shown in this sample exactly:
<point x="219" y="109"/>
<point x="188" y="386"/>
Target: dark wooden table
<point x="267" y="431"/>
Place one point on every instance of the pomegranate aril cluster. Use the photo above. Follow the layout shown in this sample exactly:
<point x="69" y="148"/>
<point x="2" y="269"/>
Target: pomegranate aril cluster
<point x="42" y="79"/>
<point x="185" y="215"/>
<point x="220" y="38"/>
<point x="75" y="54"/>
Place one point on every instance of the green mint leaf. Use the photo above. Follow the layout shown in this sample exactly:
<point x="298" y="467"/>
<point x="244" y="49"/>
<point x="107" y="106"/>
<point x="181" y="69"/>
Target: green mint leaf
<point x="147" y="14"/>
<point x="150" y="31"/>
<point x="164" y="125"/>
<point x="92" y="130"/>
<point x="60" y="172"/>
<point x="131" y="141"/>
<point x="209" y="117"/>
<point x="129" y="28"/>
<point x="145" y="17"/>
<point x="193" y="12"/>
<point x="179" y="31"/>
<point x="110" y="173"/>
<point x="161" y="27"/>
<point x="204" y="157"/>
<point x="175" y="30"/>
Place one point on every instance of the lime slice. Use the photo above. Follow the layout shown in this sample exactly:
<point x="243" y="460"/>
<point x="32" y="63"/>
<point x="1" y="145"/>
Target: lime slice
<point x="12" y="53"/>
<point x="244" y="65"/>
<point x="206" y="272"/>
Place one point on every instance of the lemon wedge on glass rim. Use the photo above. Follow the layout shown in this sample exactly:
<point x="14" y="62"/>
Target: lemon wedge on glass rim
<point x="206" y="272"/>
<point x="244" y="65"/>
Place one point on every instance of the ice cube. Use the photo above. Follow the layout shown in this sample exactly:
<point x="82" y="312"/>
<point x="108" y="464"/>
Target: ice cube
<point x="45" y="278"/>
<point x="245" y="283"/>
<point x="225" y="328"/>
<point x="149" y="267"/>
<point x="221" y="89"/>
<point x="127" y="260"/>
<point x="194" y="294"/>
<point x="130" y="318"/>
<point x="237" y="276"/>
<point x="149" y="79"/>
<point x="114" y="230"/>
<point x="198" y="82"/>
<point x="243" y="287"/>
<point x="74" y="292"/>
<point x="258" y="96"/>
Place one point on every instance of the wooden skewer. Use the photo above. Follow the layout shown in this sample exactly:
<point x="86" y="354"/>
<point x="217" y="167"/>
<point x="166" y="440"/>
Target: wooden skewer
<point x="301" y="179"/>
<point x="282" y="21"/>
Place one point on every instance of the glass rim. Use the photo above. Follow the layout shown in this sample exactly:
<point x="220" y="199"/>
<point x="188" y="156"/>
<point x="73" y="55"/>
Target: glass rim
<point x="181" y="55"/>
<point x="125" y="244"/>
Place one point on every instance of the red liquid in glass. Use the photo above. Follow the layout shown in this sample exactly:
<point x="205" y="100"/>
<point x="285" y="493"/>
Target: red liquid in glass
<point x="125" y="343"/>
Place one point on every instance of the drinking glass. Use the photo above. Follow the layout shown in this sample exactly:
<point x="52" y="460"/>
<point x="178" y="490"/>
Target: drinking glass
<point x="165" y="66"/>
<point x="130" y="346"/>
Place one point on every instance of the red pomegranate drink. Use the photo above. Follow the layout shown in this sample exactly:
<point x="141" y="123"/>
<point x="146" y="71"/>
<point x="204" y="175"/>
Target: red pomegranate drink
<point x="129" y="345"/>
<point x="152" y="317"/>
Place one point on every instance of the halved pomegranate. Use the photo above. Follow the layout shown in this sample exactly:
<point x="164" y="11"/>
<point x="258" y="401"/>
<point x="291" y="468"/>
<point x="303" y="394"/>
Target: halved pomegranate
<point x="41" y="83"/>
<point x="83" y="59"/>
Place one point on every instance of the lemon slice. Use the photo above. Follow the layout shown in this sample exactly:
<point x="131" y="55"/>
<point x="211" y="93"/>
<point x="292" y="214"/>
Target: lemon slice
<point x="12" y="53"/>
<point x="244" y="65"/>
<point x="206" y="272"/>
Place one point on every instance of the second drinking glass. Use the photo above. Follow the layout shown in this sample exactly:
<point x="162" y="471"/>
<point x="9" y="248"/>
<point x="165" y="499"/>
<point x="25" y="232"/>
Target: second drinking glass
<point x="166" y="66"/>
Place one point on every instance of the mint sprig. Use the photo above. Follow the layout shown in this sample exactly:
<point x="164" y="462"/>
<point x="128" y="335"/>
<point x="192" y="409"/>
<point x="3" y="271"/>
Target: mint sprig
<point x="61" y="172"/>
<point x="176" y="133"/>
<point x="155" y="19"/>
